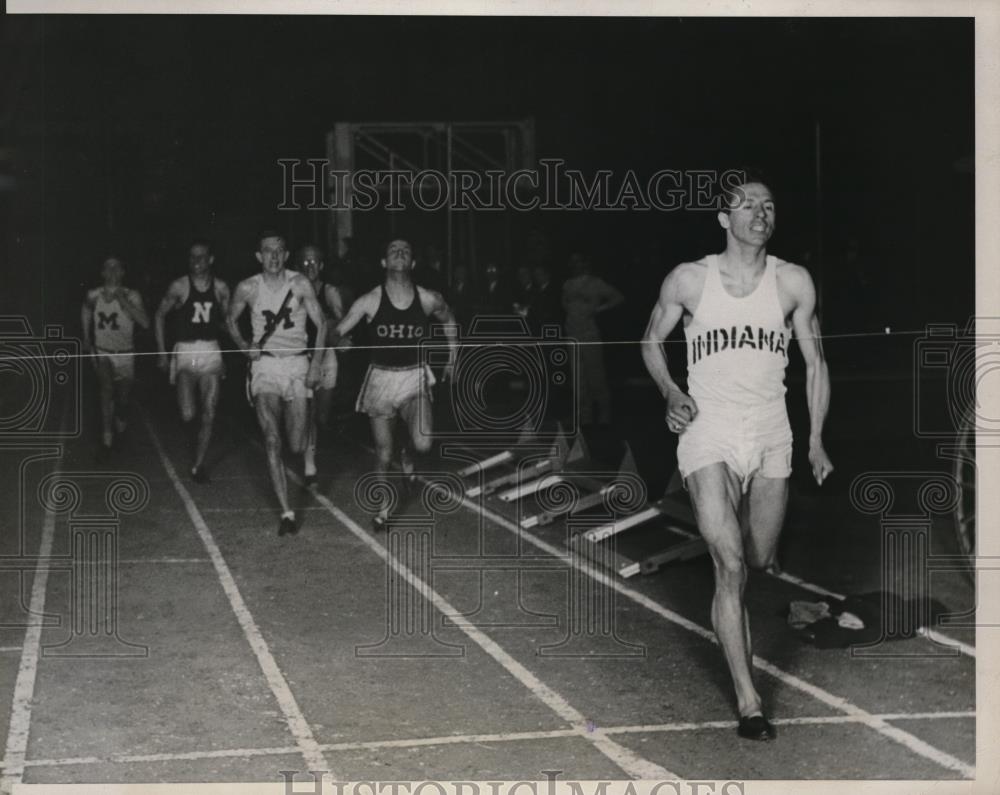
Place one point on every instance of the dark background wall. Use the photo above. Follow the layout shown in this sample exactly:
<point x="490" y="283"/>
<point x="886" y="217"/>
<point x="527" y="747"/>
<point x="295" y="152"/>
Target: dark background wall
<point x="138" y="133"/>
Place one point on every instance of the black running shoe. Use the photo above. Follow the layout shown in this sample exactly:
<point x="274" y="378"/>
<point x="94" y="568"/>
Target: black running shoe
<point x="310" y="482"/>
<point x="287" y="526"/>
<point x="756" y="727"/>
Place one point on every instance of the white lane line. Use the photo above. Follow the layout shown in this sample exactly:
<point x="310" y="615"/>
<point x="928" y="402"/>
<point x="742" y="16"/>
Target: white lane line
<point x="27" y="671"/>
<point x="947" y="640"/>
<point x="300" y="729"/>
<point x="630" y="762"/>
<point x="932" y="634"/>
<point x="460" y="739"/>
<point x="914" y="744"/>
<point x="264" y="511"/>
<point x="141" y="561"/>
<point x="219" y="479"/>
<point x="804" y="721"/>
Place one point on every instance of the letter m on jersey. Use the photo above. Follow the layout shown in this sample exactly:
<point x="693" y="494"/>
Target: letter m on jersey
<point x="273" y="319"/>
<point x="202" y="312"/>
<point x="109" y="321"/>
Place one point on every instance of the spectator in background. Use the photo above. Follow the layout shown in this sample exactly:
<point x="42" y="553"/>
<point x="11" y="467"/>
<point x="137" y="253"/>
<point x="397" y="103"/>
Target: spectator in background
<point x="584" y="296"/>
<point x="461" y="296"/>
<point x="495" y="296"/>
<point x="430" y="274"/>
<point x="345" y="254"/>
<point x="545" y="302"/>
<point x="521" y="294"/>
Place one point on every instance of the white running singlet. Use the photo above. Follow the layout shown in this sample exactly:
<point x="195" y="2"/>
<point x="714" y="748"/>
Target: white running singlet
<point x="113" y="326"/>
<point x="738" y="347"/>
<point x="290" y="332"/>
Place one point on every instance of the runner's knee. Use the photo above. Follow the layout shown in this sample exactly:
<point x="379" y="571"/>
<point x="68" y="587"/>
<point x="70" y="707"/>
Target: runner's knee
<point x="272" y="442"/>
<point x="422" y="443"/>
<point x="730" y="568"/>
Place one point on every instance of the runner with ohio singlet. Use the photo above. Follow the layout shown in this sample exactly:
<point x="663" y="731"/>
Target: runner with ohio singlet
<point x="195" y="366"/>
<point x="735" y="447"/>
<point x="398" y="383"/>
<point x="281" y="372"/>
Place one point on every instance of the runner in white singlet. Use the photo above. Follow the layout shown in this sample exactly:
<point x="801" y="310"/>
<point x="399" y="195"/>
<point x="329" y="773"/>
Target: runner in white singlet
<point x="739" y="309"/>
<point x="109" y="316"/>
<point x="281" y="370"/>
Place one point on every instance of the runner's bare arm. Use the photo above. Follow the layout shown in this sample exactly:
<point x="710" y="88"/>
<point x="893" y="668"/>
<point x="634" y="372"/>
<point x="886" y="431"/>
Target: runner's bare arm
<point x="131" y="302"/>
<point x="335" y="301"/>
<point x="171" y="300"/>
<point x="435" y="304"/>
<point x="669" y="309"/>
<point x="304" y="291"/>
<point x="236" y="308"/>
<point x="87" y="319"/>
<point x="365" y="306"/>
<point x="805" y="324"/>
<point x="222" y="296"/>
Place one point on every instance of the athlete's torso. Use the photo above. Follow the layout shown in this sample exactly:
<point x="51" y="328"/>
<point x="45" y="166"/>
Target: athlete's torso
<point x="200" y="315"/>
<point x="396" y="333"/>
<point x="113" y="326"/>
<point x="738" y="347"/>
<point x="290" y="329"/>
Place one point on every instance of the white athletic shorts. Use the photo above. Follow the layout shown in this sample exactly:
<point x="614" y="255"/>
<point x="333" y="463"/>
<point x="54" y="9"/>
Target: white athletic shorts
<point x="756" y="441"/>
<point x="122" y="363"/>
<point x="387" y="389"/>
<point x="198" y="357"/>
<point x="284" y="376"/>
